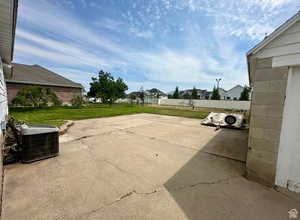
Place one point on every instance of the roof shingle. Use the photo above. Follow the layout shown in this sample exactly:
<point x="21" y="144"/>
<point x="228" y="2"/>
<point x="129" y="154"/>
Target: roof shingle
<point x="37" y="75"/>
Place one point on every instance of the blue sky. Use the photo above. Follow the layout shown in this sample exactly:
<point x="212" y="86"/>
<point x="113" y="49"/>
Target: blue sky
<point x="149" y="43"/>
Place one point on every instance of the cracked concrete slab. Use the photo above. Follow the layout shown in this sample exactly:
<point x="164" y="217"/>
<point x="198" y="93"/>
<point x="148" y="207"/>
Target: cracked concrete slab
<point x="141" y="167"/>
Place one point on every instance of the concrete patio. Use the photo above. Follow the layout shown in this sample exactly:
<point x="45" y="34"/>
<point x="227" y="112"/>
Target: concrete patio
<point x="142" y="167"/>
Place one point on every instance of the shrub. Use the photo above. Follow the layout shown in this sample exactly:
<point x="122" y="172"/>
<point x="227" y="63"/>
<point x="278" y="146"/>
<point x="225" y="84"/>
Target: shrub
<point x="245" y="94"/>
<point x="77" y="101"/>
<point x="36" y="96"/>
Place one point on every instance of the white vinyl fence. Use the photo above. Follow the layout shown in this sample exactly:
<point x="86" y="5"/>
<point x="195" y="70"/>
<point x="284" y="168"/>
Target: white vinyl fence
<point x="226" y="104"/>
<point x="147" y="100"/>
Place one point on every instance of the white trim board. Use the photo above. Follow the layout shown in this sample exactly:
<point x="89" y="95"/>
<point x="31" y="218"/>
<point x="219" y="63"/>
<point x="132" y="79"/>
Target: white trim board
<point x="286" y="60"/>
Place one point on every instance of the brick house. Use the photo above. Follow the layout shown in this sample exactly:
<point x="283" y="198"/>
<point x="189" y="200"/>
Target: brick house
<point x="25" y="75"/>
<point x="274" y="142"/>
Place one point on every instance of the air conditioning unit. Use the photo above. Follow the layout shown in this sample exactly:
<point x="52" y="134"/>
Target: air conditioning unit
<point x="224" y="120"/>
<point x="38" y="142"/>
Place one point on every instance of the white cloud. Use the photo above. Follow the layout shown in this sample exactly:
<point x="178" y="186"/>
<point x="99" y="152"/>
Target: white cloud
<point x="204" y="57"/>
<point x="169" y="66"/>
<point x="84" y="3"/>
<point x="109" y="24"/>
<point x="240" y="18"/>
<point x="71" y="28"/>
<point x="259" y="31"/>
<point x="267" y="3"/>
<point x="136" y="85"/>
<point x="33" y="51"/>
<point x="143" y="34"/>
<point x="76" y="75"/>
<point x="66" y="50"/>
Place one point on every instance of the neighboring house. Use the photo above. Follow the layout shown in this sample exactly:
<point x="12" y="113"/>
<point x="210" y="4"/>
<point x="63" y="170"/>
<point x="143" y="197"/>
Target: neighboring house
<point x="222" y="93"/>
<point x="274" y="142"/>
<point x="25" y="75"/>
<point x="201" y="94"/>
<point x="151" y="96"/>
<point x="8" y="16"/>
<point x="155" y="93"/>
<point x="234" y="93"/>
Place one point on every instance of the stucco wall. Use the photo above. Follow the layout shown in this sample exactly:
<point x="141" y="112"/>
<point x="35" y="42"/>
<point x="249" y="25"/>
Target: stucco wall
<point x="63" y="93"/>
<point x="269" y="88"/>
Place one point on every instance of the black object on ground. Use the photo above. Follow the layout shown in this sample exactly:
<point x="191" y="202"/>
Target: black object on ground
<point x="39" y="142"/>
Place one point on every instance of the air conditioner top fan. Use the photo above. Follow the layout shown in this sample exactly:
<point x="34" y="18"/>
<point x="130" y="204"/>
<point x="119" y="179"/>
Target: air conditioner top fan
<point x="224" y="120"/>
<point x="230" y="119"/>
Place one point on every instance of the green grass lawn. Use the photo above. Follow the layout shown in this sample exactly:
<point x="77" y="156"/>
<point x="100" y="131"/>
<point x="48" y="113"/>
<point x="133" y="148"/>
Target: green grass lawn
<point x="58" y="115"/>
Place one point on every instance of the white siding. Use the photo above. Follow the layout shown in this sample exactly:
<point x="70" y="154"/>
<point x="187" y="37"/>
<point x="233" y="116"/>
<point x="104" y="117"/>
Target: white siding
<point x="287" y="43"/>
<point x="285" y="39"/>
<point x="235" y="92"/>
<point x="222" y="93"/>
<point x="295" y="28"/>
<point x="3" y="96"/>
<point x="287" y="60"/>
<point x="287" y="173"/>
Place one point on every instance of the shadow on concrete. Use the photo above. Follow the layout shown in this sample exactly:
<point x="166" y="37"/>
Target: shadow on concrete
<point x="229" y="143"/>
<point x="208" y="167"/>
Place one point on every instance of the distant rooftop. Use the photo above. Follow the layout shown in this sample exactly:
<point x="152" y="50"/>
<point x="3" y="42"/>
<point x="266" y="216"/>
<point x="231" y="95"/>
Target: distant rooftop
<point x="38" y="75"/>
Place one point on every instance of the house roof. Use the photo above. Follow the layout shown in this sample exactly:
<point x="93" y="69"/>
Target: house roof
<point x="270" y="38"/>
<point x="222" y="90"/>
<point x="149" y="92"/>
<point x="235" y="87"/>
<point x="37" y="75"/>
<point x="275" y="34"/>
<point x="189" y="91"/>
<point x="155" y="90"/>
<point x="8" y="17"/>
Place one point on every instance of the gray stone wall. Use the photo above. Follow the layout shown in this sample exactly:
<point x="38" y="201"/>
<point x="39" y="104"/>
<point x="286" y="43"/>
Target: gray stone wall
<point x="269" y="89"/>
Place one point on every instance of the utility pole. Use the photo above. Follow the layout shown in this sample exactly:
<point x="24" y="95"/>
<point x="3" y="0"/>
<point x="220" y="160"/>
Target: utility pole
<point x="218" y="82"/>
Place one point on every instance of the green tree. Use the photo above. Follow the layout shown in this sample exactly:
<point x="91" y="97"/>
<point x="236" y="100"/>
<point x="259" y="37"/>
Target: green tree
<point x="245" y="94"/>
<point x="176" y="93"/>
<point x="36" y="96"/>
<point x="194" y="93"/>
<point x="215" y="94"/>
<point x="107" y="88"/>
<point x="77" y="101"/>
<point x="187" y="96"/>
<point x="142" y="95"/>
